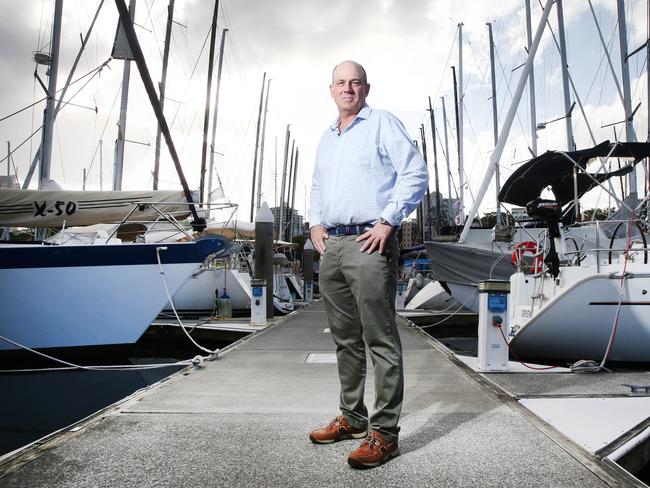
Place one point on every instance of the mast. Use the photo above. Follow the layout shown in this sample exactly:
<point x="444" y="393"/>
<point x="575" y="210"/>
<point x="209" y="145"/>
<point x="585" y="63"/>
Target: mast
<point x="206" y="111"/>
<point x="293" y="195"/>
<point x="266" y="111"/>
<point x="420" y="208"/>
<point x="459" y="136"/>
<point x="275" y="173"/>
<point x="257" y="141"/>
<point x="48" y="115"/>
<point x="215" y="112"/>
<point x="8" y="164"/>
<point x="495" y="118"/>
<point x="444" y="124"/>
<point x="289" y="186"/>
<point x="426" y="210"/>
<point x="121" y="124"/>
<point x="460" y="107"/>
<point x="163" y="82"/>
<point x="531" y="85"/>
<point x="567" y="104"/>
<point x="565" y="78"/>
<point x="627" y="96"/>
<point x="284" y="181"/>
<point x="84" y="41"/>
<point x="507" y="125"/>
<point x="198" y="223"/>
<point x="435" y="164"/>
<point x="101" y="165"/>
<point x="6" y="232"/>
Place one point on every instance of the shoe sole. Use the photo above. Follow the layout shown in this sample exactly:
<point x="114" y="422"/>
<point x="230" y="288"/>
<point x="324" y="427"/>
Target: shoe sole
<point x="342" y="437"/>
<point x="359" y="465"/>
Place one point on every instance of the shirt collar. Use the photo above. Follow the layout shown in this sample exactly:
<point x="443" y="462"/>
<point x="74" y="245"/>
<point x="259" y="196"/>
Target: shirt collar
<point x="364" y="113"/>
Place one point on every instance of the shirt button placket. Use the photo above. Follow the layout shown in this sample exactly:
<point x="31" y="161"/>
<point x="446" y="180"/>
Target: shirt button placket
<point x="338" y="144"/>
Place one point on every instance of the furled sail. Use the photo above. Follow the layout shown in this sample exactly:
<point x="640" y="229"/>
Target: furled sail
<point x="45" y="208"/>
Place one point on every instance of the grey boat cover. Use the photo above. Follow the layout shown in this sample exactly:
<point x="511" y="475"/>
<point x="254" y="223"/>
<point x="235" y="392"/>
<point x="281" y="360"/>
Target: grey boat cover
<point x="51" y="208"/>
<point x="554" y="169"/>
<point x="467" y="265"/>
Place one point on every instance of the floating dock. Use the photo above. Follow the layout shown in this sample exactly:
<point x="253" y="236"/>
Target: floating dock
<point x="243" y="420"/>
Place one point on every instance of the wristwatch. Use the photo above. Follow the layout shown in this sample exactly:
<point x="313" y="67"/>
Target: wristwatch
<point x="384" y="221"/>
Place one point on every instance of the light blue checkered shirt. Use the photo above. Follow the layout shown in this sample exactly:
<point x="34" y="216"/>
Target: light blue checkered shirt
<point x="371" y="170"/>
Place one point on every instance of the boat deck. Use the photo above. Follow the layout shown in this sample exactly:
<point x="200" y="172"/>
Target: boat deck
<point x="243" y="420"/>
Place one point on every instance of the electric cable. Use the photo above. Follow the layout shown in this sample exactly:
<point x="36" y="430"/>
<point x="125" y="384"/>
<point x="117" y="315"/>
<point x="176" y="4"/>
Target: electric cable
<point x="213" y="353"/>
<point x="462" y="305"/>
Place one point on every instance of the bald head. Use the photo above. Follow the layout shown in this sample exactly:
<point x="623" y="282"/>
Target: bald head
<point x="354" y="64"/>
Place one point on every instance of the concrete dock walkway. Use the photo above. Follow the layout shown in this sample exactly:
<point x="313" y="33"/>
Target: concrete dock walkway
<point x="243" y="420"/>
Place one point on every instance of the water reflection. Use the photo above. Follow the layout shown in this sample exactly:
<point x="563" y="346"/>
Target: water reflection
<point x="36" y="404"/>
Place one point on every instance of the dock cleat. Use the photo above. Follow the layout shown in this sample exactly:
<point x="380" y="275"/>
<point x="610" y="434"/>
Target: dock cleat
<point x="338" y="429"/>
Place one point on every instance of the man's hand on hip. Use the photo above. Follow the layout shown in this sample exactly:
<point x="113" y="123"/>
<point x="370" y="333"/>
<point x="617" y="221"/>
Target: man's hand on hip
<point x="375" y="238"/>
<point x="318" y="234"/>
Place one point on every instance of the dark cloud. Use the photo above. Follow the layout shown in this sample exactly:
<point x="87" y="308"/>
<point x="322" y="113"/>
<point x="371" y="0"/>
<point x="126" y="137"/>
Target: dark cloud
<point x="16" y="50"/>
<point x="315" y="27"/>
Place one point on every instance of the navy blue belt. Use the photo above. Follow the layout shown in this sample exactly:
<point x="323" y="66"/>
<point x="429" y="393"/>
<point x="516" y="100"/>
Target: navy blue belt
<point x="349" y="230"/>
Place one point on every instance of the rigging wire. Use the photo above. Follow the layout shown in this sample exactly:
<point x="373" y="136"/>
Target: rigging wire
<point x="108" y="118"/>
<point x="602" y="58"/>
<point x="196" y="64"/>
<point x="24" y="108"/>
<point x="153" y="26"/>
<point x="496" y="52"/>
<point x="94" y="72"/>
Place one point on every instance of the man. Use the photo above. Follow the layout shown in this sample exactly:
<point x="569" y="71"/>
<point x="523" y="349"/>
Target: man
<point x="368" y="177"/>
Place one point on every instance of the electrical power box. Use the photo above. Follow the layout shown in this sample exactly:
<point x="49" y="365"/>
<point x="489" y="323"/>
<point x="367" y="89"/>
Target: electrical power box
<point x="258" y="302"/>
<point x="493" y="325"/>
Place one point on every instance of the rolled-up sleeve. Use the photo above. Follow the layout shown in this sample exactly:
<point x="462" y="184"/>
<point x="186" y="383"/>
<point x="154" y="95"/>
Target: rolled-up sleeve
<point x="315" y="199"/>
<point x="412" y="175"/>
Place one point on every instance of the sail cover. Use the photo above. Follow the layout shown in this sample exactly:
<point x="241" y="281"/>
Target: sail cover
<point x="554" y="169"/>
<point x="45" y="208"/>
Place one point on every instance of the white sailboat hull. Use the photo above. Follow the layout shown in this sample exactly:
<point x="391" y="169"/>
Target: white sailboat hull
<point x="465" y="294"/>
<point x="197" y="295"/>
<point x="74" y="296"/>
<point x="577" y="313"/>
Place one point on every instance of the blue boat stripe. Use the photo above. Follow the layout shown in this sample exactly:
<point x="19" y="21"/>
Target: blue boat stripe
<point x="39" y="256"/>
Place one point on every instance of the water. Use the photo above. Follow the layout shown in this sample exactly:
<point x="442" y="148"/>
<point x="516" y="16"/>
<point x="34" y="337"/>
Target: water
<point x="35" y="404"/>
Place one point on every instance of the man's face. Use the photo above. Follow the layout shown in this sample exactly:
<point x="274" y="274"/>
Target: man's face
<point x="348" y="88"/>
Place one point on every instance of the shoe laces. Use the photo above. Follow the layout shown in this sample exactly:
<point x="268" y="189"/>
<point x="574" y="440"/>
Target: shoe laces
<point x="372" y="440"/>
<point x="335" y="422"/>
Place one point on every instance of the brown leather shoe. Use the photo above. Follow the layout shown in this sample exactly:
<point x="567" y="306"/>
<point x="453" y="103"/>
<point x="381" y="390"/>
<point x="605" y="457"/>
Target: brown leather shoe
<point x="337" y="430"/>
<point x="372" y="452"/>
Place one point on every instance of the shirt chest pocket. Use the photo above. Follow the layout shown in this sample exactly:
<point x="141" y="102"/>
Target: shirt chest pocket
<point x="360" y="154"/>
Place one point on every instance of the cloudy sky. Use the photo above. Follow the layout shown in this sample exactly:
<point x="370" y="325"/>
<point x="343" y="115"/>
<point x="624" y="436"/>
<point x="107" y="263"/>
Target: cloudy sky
<point x="407" y="48"/>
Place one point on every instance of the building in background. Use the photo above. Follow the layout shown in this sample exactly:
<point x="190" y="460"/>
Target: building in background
<point x="409" y="230"/>
<point x="292" y="222"/>
<point x="9" y="182"/>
